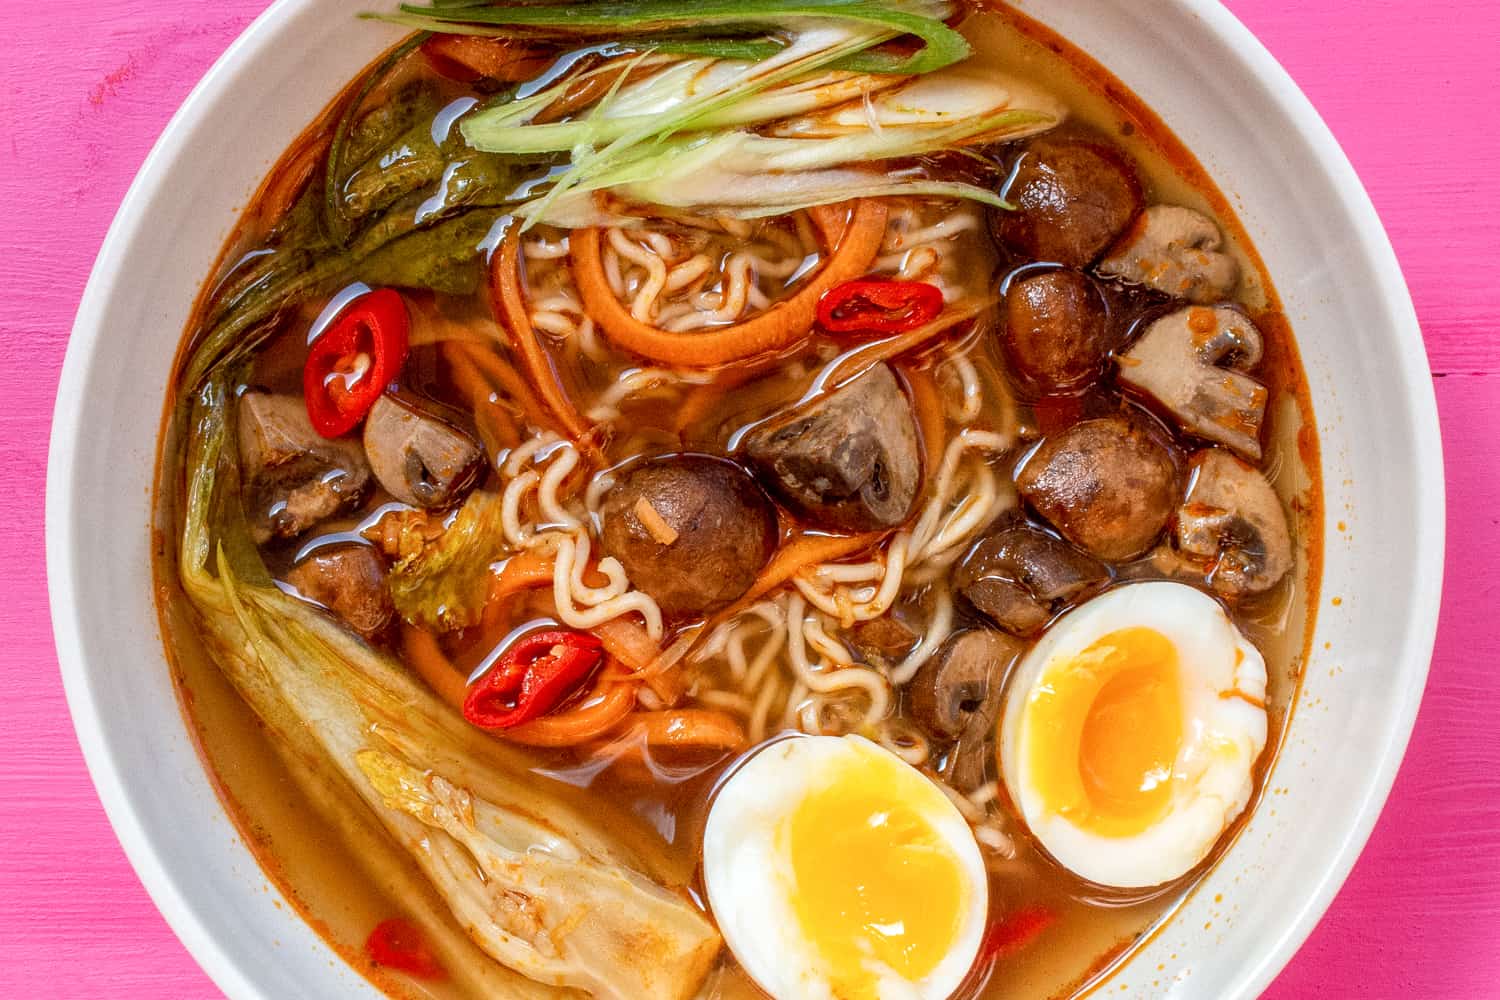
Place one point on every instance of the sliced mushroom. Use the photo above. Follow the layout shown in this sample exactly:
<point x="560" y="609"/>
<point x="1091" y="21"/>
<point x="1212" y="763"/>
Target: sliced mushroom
<point x="1192" y="362"/>
<point x="955" y="698"/>
<point x="1072" y="198"/>
<point x="849" y="460"/>
<point x="292" y="477"/>
<point x="1107" y="484"/>
<point x="420" y="458"/>
<point x="1021" y="577"/>
<point x="1234" y="520"/>
<point x="883" y="641"/>
<point x="349" y="580"/>
<point x="692" y="531"/>
<point x="1174" y="250"/>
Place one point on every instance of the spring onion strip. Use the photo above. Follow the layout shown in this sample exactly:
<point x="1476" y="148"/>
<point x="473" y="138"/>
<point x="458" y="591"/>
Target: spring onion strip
<point x="941" y="45"/>
<point x="750" y="176"/>
<point x="813" y="48"/>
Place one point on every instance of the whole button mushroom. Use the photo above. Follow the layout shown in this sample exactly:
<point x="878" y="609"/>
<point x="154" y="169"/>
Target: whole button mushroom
<point x="1057" y="333"/>
<point x="1192" y="363"/>
<point x="692" y="531"/>
<point x="956" y="696"/>
<point x="349" y="580"/>
<point x="1072" y="198"/>
<point x="1021" y="577"/>
<point x="1107" y="485"/>
<point x="419" y="457"/>
<point x="1233" y="520"/>
<point x="1176" y="251"/>
<point x="848" y="461"/>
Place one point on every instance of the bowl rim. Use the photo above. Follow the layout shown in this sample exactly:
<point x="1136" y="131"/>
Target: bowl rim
<point x="166" y="891"/>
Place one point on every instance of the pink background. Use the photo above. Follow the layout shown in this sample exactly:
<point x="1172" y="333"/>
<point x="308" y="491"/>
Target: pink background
<point x="1407" y="85"/>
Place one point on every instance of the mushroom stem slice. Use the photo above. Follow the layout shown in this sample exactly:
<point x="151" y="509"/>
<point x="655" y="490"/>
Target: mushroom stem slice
<point x="1233" y="520"/>
<point x="1192" y="362"/>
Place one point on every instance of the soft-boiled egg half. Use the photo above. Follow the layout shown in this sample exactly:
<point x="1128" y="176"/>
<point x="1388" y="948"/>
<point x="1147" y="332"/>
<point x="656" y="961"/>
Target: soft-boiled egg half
<point x="836" y="870"/>
<point x="1130" y="733"/>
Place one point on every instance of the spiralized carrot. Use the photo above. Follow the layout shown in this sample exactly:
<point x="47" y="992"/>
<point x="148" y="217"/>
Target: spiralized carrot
<point x="497" y="425"/>
<point x="287" y="181"/>
<point x="684" y="728"/>
<point x="698" y="400"/>
<point x="425" y="656"/>
<point x="628" y="642"/>
<point x="507" y="60"/>
<point x="830" y="221"/>
<point x="523" y="571"/>
<point x="609" y="702"/>
<point x="505" y="289"/>
<point x="504" y="377"/>
<point x="927" y="401"/>
<point x="802" y="552"/>
<point x="782" y="326"/>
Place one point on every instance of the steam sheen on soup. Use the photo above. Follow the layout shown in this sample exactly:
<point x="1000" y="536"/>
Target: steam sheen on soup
<point x="794" y="500"/>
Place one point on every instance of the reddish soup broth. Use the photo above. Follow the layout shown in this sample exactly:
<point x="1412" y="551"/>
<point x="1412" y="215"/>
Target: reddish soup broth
<point x="326" y="852"/>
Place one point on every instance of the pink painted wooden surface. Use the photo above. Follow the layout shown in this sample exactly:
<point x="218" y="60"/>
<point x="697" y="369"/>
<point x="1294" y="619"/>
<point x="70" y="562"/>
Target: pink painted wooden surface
<point x="1407" y="85"/>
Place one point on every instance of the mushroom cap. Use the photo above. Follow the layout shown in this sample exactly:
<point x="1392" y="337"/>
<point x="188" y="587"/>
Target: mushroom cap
<point x="1072" y="198"/>
<point x="1233" y="519"/>
<point x="350" y="580"/>
<point x="1191" y="363"/>
<point x="1057" y="331"/>
<point x="690" y="530"/>
<point x="419" y="457"/>
<point x="1021" y="577"/>
<point x="1107" y="484"/>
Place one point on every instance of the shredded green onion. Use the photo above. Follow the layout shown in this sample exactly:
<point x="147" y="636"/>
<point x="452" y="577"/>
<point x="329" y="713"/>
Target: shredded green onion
<point x="922" y="19"/>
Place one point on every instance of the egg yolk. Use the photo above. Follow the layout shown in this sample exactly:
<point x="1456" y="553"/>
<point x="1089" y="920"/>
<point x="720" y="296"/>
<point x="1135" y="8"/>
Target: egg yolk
<point x="875" y="881"/>
<point x="1103" y="729"/>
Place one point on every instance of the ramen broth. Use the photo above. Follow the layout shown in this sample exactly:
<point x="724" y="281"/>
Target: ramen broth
<point x="330" y="859"/>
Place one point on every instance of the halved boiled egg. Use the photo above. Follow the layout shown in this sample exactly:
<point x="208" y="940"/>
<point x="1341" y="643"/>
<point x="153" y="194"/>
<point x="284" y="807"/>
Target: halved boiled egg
<point x="836" y="870"/>
<point x="1130" y="733"/>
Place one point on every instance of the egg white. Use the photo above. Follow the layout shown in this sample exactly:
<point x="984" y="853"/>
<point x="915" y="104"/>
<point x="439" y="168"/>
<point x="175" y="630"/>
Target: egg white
<point x="751" y="886"/>
<point x="1223" y="681"/>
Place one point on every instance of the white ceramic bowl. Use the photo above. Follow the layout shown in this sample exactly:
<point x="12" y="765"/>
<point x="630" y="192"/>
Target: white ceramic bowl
<point x="1212" y="83"/>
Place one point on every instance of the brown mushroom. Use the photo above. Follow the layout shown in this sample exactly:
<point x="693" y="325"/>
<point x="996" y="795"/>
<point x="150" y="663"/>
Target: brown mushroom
<point x="1057" y="333"/>
<point x="1174" y="250"/>
<point x="1072" y="197"/>
<point x="349" y="580"/>
<point x="1233" y="520"/>
<point x="849" y="460"/>
<point x="692" y="531"/>
<point x="1020" y="578"/>
<point x="291" y="476"/>
<point x="955" y="697"/>
<point x="419" y="457"/>
<point x="1107" y="485"/>
<point x="1192" y="362"/>
<point x="883" y="641"/>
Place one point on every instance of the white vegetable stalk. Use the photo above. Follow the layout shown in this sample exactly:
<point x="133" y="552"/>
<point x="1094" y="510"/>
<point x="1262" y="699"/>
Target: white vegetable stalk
<point x="677" y="138"/>
<point x="537" y="887"/>
<point x="747" y="175"/>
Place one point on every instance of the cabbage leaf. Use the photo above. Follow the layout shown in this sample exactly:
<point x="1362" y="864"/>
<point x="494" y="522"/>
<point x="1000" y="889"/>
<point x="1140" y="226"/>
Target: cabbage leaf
<point x="537" y="886"/>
